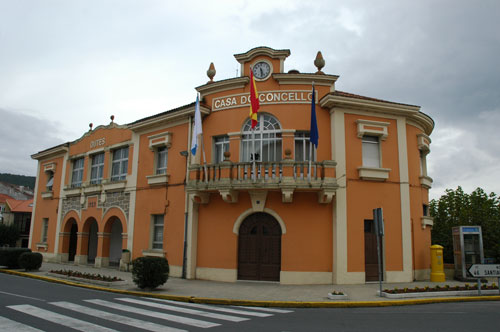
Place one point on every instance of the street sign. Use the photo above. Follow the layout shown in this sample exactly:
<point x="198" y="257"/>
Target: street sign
<point x="485" y="270"/>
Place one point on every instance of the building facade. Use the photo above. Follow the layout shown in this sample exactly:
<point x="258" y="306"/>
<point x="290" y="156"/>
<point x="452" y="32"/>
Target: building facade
<point x="251" y="204"/>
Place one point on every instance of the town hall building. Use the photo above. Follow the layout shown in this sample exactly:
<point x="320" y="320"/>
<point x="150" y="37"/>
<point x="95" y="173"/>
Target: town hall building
<point x="251" y="204"/>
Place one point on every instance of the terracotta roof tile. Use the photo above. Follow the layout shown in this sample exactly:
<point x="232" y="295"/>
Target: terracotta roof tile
<point x="4" y="197"/>
<point x="20" y="206"/>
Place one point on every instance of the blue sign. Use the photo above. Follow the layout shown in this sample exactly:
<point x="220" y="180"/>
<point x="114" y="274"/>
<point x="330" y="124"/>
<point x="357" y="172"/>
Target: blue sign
<point x="470" y="229"/>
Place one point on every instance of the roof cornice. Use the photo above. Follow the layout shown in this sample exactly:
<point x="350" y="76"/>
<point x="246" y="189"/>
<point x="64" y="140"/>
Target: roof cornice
<point x="224" y="85"/>
<point x="262" y="50"/>
<point x="318" y="79"/>
<point x="412" y="112"/>
<point x="159" y="120"/>
<point x="52" y="152"/>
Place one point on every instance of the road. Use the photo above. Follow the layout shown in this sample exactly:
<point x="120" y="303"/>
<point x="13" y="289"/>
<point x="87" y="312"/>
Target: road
<point x="33" y="305"/>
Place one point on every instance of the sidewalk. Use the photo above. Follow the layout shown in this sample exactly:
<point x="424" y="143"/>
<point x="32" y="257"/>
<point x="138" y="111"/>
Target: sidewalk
<point x="247" y="290"/>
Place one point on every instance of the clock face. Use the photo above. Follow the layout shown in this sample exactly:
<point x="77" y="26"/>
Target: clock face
<point x="261" y="70"/>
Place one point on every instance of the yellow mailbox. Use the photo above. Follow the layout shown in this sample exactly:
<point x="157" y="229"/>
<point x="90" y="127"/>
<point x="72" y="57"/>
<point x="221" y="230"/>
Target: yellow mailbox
<point x="437" y="267"/>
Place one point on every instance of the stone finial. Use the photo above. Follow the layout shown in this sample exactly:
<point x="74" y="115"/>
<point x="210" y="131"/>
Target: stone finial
<point x="211" y="72"/>
<point x="319" y="62"/>
<point x="90" y="126"/>
<point x="227" y="154"/>
<point x="112" y="117"/>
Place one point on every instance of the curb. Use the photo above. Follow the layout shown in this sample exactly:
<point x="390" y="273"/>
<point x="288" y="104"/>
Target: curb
<point x="253" y="303"/>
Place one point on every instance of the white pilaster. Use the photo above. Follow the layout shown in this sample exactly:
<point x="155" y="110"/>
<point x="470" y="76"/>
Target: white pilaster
<point x="406" y="237"/>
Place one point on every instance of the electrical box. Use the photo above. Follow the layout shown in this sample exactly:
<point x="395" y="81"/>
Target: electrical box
<point x="467" y="249"/>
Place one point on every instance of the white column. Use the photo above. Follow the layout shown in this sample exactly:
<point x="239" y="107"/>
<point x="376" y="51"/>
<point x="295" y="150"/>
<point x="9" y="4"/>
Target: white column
<point x="406" y="239"/>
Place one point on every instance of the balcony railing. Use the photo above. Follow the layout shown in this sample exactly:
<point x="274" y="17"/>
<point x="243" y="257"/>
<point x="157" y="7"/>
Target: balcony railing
<point x="286" y="175"/>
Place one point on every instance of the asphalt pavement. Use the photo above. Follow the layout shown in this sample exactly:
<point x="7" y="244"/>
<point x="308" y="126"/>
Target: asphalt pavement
<point x="250" y="291"/>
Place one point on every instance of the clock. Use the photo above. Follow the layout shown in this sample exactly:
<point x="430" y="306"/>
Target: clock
<point x="261" y="70"/>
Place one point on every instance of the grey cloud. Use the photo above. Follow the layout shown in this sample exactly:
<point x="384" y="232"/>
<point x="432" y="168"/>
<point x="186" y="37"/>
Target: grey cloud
<point x="21" y="136"/>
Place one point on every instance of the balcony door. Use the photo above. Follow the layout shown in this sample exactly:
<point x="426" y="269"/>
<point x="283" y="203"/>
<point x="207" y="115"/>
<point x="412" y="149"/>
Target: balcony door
<point x="267" y="137"/>
<point x="259" y="248"/>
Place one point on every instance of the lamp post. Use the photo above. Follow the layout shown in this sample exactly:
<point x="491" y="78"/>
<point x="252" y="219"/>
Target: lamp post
<point x="184" y="252"/>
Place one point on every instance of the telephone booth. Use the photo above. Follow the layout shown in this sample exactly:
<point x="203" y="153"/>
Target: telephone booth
<point x="467" y="249"/>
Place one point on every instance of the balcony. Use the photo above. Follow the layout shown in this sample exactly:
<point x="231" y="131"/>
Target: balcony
<point x="287" y="176"/>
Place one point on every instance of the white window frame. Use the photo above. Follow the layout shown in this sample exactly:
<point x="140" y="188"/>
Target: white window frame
<point x="121" y="162"/>
<point x="97" y="168"/>
<point x="268" y="137"/>
<point x="50" y="181"/>
<point x="368" y="141"/>
<point x="77" y="173"/>
<point x="221" y="145"/>
<point x="45" y="230"/>
<point x="302" y="145"/>
<point x="157" y="222"/>
<point x="161" y="161"/>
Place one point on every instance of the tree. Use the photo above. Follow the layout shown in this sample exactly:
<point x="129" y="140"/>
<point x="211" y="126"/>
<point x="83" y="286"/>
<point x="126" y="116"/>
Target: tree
<point x="457" y="208"/>
<point x="9" y="234"/>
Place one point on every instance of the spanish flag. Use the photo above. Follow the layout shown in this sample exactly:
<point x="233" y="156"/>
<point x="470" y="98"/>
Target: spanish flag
<point x="254" y="100"/>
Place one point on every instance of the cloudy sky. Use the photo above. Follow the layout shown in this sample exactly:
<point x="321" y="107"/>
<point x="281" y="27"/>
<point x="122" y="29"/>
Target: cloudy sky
<point x="64" y="64"/>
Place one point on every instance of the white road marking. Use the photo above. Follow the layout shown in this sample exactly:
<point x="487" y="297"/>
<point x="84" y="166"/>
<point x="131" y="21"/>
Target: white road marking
<point x="70" y="322"/>
<point x="116" y="318"/>
<point x="10" y="325"/>
<point x="280" y="311"/>
<point x="184" y="310"/>
<point x="214" y="308"/>
<point x="173" y="318"/>
<point x="26" y="297"/>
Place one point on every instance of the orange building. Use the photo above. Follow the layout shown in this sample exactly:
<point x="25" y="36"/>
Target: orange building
<point x="262" y="206"/>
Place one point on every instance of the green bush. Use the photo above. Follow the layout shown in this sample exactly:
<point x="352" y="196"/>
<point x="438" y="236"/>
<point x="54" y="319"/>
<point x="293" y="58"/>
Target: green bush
<point x="9" y="234"/>
<point x="10" y="256"/>
<point x="150" y="272"/>
<point x="30" y="261"/>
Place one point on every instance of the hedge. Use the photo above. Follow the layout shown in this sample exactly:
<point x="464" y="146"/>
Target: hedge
<point x="10" y="256"/>
<point x="30" y="261"/>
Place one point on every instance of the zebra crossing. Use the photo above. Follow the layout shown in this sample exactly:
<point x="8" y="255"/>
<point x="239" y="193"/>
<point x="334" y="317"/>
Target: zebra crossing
<point x="131" y="314"/>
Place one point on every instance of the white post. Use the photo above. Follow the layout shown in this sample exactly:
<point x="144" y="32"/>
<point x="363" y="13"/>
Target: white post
<point x="310" y="159"/>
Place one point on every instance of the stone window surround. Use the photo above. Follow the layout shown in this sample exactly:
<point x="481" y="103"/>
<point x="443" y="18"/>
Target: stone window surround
<point x="379" y="129"/>
<point x="157" y="141"/>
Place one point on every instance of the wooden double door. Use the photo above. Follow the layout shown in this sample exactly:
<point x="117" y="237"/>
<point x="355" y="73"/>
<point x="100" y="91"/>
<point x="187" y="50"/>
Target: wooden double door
<point x="259" y="248"/>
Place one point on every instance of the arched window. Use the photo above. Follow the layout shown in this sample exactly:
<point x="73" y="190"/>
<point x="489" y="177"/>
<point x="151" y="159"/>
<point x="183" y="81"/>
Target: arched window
<point x="267" y="139"/>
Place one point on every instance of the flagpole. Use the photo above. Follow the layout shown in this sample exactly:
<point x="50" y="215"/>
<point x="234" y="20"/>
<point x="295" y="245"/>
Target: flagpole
<point x="310" y="158"/>
<point x="313" y="133"/>
<point x="253" y="155"/>
<point x="204" y="158"/>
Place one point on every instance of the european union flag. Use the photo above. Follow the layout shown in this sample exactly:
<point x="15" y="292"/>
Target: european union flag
<point x="314" y="134"/>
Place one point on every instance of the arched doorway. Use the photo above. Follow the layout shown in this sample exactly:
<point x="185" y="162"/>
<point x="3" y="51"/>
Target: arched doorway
<point x="73" y="239"/>
<point x="114" y="227"/>
<point x="259" y="248"/>
<point x="92" y="252"/>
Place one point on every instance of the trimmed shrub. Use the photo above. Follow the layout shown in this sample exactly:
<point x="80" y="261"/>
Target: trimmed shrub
<point x="150" y="272"/>
<point x="10" y="256"/>
<point x="30" y="261"/>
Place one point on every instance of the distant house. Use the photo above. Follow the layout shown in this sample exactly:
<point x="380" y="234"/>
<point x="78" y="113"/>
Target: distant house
<point x="3" y="203"/>
<point x="18" y="213"/>
<point x="15" y="191"/>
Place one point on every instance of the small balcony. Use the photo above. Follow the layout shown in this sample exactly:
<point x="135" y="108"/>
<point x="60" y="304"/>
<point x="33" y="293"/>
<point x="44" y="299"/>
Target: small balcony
<point x="288" y="176"/>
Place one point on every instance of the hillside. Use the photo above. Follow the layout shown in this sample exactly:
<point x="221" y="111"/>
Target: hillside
<point x="20" y="180"/>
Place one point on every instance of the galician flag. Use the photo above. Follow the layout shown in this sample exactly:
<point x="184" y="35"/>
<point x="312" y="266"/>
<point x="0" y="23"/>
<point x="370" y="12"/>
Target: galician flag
<point x="254" y="100"/>
<point x="197" y="127"/>
<point x="314" y="134"/>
